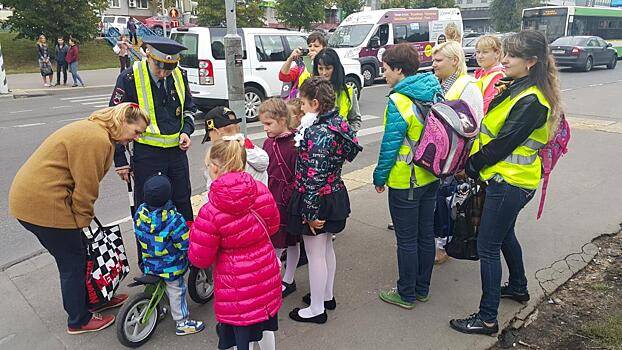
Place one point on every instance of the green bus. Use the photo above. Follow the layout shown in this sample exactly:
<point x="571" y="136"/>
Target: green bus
<point x="558" y="21"/>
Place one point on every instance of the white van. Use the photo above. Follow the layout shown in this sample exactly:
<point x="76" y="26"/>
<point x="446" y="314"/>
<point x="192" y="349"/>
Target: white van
<point x="112" y="21"/>
<point x="364" y="36"/>
<point x="265" y="50"/>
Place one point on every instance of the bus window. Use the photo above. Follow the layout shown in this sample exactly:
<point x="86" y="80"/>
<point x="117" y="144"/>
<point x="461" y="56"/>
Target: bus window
<point x="349" y="36"/>
<point x="382" y="33"/>
<point x="418" y="32"/>
<point x="399" y="33"/>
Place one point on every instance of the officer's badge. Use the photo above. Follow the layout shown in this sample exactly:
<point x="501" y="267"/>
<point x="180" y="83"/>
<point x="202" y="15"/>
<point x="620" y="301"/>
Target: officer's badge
<point x="178" y="111"/>
<point x="117" y="96"/>
<point x="210" y="124"/>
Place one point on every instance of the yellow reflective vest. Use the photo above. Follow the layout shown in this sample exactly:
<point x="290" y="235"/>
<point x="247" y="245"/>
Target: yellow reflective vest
<point x="405" y="174"/>
<point x="523" y="167"/>
<point x="344" y="102"/>
<point x="456" y="90"/>
<point x="142" y="81"/>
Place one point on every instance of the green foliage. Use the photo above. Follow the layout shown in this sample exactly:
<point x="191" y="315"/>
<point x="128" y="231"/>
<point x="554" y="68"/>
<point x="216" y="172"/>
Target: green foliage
<point x="348" y="7"/>
<point x="417" y="4"/>
<point x="53" y="18"/>
<point x="212" y="13"/>
<point x="506" y="14"/>
<point x="300" y="13"/>
<point x="607" y="332"/>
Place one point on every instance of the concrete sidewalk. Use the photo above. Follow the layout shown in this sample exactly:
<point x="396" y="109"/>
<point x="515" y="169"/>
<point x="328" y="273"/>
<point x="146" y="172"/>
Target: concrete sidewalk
<point x="33" y="83"/>
<point x="583" y="202"/>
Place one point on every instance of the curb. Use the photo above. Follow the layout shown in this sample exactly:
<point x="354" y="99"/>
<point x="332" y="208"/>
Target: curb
<point x="25" y="93"/>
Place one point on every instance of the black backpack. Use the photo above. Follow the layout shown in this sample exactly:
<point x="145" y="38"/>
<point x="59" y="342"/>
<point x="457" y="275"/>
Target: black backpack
<point x="462" y="243"/>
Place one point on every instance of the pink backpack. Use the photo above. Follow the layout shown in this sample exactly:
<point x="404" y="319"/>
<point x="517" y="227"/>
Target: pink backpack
<point x="446" y="139"/>
<point x="550" y="154"/>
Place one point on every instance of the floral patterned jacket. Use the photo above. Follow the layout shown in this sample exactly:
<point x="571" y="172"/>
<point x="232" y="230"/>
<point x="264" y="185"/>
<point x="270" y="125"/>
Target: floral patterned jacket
<point x="326" y="145"/>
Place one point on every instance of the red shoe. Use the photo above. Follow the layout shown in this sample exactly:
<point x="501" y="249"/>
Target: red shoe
<point x="116" y="300"/>
<point x="97" y="323"/>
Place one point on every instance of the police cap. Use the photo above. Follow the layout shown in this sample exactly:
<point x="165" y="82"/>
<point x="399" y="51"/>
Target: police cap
<point x="164" y="51"/>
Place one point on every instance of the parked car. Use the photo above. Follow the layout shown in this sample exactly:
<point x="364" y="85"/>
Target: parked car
<point x="468" y="45"/>
<point x="583" y="52"/>
<point x="158" y="23"/>
<point x="111" y="21"/>
<point x="265" y="51"/>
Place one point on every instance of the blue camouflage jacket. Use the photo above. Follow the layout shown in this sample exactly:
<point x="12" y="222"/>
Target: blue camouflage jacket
<point x="163" y="236"/>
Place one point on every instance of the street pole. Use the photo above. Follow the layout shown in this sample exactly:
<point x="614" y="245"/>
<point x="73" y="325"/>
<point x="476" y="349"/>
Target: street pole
<point x="4" y="87"/>
<point x="233" y="61"/>
<point x="164" y="18"/>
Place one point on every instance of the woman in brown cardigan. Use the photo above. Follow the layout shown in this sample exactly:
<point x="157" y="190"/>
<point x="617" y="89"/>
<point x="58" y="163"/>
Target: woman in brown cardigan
<point x="54" y="192"/>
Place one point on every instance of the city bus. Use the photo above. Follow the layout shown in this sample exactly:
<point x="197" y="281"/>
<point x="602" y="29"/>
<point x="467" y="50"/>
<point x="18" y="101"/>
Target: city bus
<point x="365" y="35"/>
<point x="558" y="21"/>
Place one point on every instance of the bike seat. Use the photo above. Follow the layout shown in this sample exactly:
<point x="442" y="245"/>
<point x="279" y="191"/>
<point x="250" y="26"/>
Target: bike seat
<point x="146" y="279"/>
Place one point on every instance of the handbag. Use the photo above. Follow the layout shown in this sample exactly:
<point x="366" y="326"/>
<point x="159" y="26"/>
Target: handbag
<point x="106" y="263"/>
<point x="46" y="69"/>
<point x="463" y="241"/>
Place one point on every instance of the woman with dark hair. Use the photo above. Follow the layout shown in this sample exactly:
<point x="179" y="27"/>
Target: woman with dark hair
<point x="327" y="64"/>
<point x="519" y="122"/>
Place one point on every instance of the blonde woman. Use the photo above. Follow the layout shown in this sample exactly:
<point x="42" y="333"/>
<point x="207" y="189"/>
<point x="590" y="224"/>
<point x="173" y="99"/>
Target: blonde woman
<point x="452" y="33"/>
<point x="488" y="52"/>
<point x="54" y="193"/>
<point x="45" y="65"/>
<point x="451" y="70"/>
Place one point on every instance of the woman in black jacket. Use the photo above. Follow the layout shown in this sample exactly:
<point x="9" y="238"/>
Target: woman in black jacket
<point x="45" y="65"/>
<point x="519" y="122"/>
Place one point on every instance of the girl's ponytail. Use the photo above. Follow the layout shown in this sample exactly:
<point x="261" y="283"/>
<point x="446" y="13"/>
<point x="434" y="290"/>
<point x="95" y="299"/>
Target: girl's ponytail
<point x="229" y="153"/>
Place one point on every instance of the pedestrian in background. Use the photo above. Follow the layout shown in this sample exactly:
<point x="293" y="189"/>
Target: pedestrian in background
<point x="123" y="51"/>
<point x="53" y="196"/>
<point x="412" y="189"/>
<point x="294" y="76"/>
<point x="72" y="60"/>
<point x="131" y="28"/>
<point x="452" y="33"/>
<point x="488" y="52"/>
<point x="61" y="63"/>
<point x="520" y="120"/>
<point x="45" y="66"/>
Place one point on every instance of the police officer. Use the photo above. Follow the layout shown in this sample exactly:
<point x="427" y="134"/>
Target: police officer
<point x="161" y="89"/>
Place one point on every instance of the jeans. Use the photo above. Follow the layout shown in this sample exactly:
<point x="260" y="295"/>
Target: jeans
<point x="73" y="68"/>
<point x="176" y="292"/>
<point x="67" y="246"/>
<point x="133" y="35"/>
<point x="124" y="62"/>
<point x="63" y="67"/>
<point x="501" y="207"/>
<point x="414" y="229"/>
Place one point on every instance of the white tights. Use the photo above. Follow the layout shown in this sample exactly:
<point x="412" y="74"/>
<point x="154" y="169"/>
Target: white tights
<point x="322" y="267"/>
<point x="293" y="255"/>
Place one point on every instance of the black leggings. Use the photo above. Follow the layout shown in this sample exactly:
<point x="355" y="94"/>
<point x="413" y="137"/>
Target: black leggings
<point x="63" y="67"/>
<point x="67" y="246"/>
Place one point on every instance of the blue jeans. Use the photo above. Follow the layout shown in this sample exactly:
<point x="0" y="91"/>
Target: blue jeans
<point x="501" y="207"/>
<point x="414" y="230"/>
<point x="73" y="68"/>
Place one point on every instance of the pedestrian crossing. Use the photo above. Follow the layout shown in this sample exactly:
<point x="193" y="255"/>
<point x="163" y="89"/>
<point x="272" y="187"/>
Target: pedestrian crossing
<point x="93" y="101"/>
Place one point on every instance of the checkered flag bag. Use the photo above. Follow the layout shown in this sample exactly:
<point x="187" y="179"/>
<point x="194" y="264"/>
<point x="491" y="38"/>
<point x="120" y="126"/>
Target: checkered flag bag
<point x="106" y="263"/>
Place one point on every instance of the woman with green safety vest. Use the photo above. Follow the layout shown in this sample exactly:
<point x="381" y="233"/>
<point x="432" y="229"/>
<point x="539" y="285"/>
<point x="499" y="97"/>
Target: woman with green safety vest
<point x="450" y="68"/>
<point x="519" y="122"/>
<point x="412" y="189"/>
<point x="328" y="65"/>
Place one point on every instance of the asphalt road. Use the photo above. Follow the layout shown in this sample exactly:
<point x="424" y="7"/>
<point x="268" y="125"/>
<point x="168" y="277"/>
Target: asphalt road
<point x="24" y="124"/>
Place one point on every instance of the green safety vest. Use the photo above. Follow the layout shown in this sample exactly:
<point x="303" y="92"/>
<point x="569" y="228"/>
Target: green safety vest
<point x="344" y="103"/>
<point x="405" y="174"/>
<point x="142" y="81"/>
<point x="522" y="168"/>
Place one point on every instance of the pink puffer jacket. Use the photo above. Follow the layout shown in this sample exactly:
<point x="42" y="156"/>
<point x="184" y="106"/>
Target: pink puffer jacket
<point x="232" y="232"/>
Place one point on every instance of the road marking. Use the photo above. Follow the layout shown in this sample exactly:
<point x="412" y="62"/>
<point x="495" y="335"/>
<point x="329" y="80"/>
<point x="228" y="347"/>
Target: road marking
<point x="93" y="102"/>
<point x="564" y="90"/>
<point x="69" y="120"/>
<point x="594" y="85"/>
<point x="101" y="106"/>
<point x="27" y="125"/>
<point x="23" y="111"/>
<point x="77" y="98"/>
<point x="57" y="107"/>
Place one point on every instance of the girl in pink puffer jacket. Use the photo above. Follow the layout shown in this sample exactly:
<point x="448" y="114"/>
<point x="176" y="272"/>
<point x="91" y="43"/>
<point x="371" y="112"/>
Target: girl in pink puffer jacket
<point x="232" y="232"/>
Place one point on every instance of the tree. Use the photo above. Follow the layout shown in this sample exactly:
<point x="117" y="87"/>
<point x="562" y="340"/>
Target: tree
<point x="212" y="13"/>
<point x="52" y="18"/>
<point x="506" y="14"/>
<point x="300" y="13"/>
<point x="417" y="4"/>
<point x="157" y="4"/>
<point x="348" y="7"/>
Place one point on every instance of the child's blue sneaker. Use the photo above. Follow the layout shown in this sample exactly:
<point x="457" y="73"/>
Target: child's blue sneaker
<point x="189" y="327"/>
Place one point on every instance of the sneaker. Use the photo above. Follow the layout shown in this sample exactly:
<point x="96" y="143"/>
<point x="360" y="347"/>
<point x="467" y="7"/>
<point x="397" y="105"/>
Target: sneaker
<point x="393" y="297"/>
<point x="46" y="85"/>
<point x="97" y="323"/>
<point x="508" y="293"/>
<point x="328" y="305"/>
<point x="391" y="227"/>
<point x="189" y="327"/>
<point x="289" y="288"/>
<point x="74" y="85"/>
<point x="473" y="325"/>
<point x="116" y="301"/>
<point x="422" y="298"/>
<point x="440" y="256"/>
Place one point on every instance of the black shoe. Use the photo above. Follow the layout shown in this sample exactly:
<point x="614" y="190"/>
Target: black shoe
<point x="289" y="288"/>
<point x="507" y="293"/>
<point x="319" y="319"/>
<point x="391" y="227"/>
<point x="473" y="325"/>
<point x="284" y="256"/>
<point x="303" y="260"/>
<point x="328" y="305"/>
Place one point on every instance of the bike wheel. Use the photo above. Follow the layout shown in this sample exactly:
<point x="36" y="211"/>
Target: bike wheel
<point x="130" y="331"/>
<point x="200" y="285"/>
